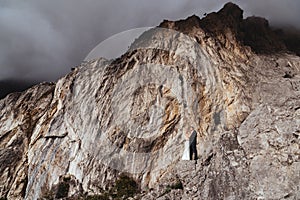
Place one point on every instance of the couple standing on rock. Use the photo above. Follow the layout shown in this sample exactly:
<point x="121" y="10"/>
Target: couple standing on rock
<point x="190" y="145"/>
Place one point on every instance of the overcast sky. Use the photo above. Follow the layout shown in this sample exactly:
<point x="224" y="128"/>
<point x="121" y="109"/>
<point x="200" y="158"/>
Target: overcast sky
<point x="40" y="40"/>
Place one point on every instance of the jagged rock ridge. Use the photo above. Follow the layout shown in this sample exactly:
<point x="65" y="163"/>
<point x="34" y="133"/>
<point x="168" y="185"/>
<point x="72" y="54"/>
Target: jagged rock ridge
<point x="254" y="32"/>
<point x="129" y="116"/>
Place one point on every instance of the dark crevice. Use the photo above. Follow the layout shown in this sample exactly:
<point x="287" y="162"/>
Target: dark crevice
<point x="297" y="108"/>
<point x="23" y="193"/>
<point x="288" y="75"/>
<point x="208" y="159"/>
<point x="56" y="136"/>
<point x="287" y="196"/>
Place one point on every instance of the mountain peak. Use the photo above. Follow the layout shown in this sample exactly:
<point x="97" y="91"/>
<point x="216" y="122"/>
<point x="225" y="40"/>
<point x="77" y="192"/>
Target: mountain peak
<point x="228" y="26"/>
<point x="231" y="9"/>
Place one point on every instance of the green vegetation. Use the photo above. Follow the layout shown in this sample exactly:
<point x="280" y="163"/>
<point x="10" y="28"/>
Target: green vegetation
<point x="48" y="196"/>
<point x="63" y="190"/>
<point x="124" y="188"/>
<point x="98" y="197"/>
<point x="176" y="186"/>
<point x="67" y="178"/>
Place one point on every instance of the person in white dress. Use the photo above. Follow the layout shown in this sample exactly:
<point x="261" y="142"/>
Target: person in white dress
<point x="190" y="145"/>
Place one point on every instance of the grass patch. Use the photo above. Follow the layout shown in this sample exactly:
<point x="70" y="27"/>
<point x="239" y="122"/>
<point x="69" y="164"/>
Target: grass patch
<point x="124" y="188"/>
<point x="98" y="197"/>
<point x="176" y="186"/>
<point x="62" y="190"/>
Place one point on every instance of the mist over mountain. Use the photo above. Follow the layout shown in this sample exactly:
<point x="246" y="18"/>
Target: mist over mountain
<point x="9" y="86"/>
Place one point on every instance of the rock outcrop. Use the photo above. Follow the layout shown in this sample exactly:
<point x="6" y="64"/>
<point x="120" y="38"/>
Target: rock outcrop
<point x="107" y="120"/>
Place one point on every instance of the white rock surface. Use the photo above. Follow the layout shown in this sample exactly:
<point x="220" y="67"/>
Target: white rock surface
<point x="130" y="115"/>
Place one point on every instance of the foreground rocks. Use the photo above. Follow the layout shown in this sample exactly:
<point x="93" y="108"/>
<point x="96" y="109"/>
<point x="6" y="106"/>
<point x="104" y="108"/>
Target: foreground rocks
<point x="125" y="119"/>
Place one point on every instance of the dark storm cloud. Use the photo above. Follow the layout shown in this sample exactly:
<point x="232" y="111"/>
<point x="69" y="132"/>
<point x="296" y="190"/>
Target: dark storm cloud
<point x="279" y="12"/>
<point x="42" y="39"/>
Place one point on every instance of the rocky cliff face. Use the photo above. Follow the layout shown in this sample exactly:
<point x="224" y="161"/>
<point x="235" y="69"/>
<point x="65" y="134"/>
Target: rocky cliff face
<point x="128" y="118"/>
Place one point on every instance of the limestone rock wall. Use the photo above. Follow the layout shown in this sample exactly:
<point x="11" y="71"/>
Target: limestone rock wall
<point x="20" y="114"/>
<point x="130" y="115"/>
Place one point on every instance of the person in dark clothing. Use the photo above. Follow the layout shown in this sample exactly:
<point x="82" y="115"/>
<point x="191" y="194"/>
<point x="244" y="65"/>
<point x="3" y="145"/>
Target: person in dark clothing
<point x="193" y="145"/>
